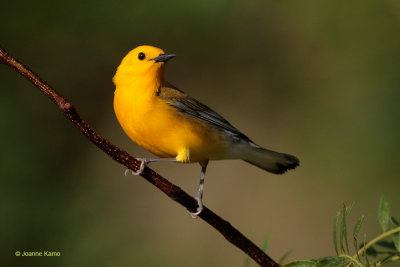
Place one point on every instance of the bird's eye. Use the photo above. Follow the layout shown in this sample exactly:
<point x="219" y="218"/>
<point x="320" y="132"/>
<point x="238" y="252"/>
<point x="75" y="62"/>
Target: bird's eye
<point x="141" y="56"/>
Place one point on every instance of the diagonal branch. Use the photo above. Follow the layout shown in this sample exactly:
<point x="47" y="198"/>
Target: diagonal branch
<point x="121" y="156"/>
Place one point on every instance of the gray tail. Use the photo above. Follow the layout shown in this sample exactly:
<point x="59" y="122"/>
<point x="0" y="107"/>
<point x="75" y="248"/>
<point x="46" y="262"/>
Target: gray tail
<point x="269" y="160"/>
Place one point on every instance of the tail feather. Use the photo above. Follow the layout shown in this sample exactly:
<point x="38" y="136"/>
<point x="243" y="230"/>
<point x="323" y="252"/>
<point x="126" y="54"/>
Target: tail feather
<point x="269" y="160"/>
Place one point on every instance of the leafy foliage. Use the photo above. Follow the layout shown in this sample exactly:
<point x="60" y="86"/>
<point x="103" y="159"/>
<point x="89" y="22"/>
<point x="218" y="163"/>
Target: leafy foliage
<point x="384" y="213"/>
<point x="381" y="250"/>
<point x="322" y="262"/>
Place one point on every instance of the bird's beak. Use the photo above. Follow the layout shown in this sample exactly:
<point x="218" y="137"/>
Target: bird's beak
<point x="163" y="57"/>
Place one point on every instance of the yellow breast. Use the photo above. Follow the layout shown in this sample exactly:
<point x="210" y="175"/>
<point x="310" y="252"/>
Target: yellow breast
<point x="161" y="129"/>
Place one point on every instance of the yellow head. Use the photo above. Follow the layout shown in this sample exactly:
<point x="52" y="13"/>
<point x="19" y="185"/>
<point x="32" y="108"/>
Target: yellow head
<point x="144" y="60"/>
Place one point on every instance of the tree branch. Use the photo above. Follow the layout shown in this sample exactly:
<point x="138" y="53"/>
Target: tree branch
<point x="121" y="156"/>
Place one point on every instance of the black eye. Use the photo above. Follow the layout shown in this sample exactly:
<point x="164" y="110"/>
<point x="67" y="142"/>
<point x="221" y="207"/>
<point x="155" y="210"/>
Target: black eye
<point x="141" y="56"/>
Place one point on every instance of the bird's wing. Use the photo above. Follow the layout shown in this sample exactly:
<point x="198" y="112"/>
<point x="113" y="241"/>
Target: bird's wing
<point x="190" y="106"/>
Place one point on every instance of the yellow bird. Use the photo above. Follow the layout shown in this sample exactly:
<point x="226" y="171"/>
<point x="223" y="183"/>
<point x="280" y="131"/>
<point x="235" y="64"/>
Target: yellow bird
<point x="175" y="127"/>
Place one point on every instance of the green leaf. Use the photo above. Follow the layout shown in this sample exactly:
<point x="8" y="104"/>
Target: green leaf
<point x="284" y="256"/>
<point x="384" y="213"/>
<point x="395" y="222"/>
<point x="357" y="227"/>
<point x="310" y="263"/>
<point x="322" y="262"/>
<point x="387" y="258"/>
<point x="356" y="230"/>
<point x="331" y="262"/>
<point x="335" y="227"/>
<point x="365" y="254"/>
<point x="386" y="244"/>
<point x="371" y="251"/>
<point x="343" y="228"/>
<point x="348" y="209"/>
<point x="396" y="240"/>
<point x="266" y="243"/>
<point x="247" y="261"/>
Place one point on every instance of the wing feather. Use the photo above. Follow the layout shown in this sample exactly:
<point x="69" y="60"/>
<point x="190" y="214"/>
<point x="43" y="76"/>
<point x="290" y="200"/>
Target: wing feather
<point x="190" y="106"/>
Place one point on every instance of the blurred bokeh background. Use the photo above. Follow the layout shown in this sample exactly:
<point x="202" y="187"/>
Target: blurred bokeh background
<point x="317" y="79"/>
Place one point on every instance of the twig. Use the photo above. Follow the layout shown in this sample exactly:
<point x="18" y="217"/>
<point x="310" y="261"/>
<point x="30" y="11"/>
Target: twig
<point x="121" y="156"/>
<point x="376" y="239"/>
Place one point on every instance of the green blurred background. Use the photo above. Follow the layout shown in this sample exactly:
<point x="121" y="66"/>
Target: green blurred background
<point x="317" y="79"/>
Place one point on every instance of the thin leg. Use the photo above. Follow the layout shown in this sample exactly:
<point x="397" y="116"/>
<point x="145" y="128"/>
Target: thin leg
<point x="145" y="162"/>
<point x="199" y="195"/>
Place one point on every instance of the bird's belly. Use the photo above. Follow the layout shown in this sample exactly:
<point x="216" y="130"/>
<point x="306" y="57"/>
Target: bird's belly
<point x="166" y="133"/>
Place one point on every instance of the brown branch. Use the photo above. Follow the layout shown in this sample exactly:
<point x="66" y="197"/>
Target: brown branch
<point x="121" y="156"/>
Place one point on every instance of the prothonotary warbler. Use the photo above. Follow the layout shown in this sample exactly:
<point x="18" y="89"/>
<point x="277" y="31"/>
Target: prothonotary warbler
<point x="175" y="127"/>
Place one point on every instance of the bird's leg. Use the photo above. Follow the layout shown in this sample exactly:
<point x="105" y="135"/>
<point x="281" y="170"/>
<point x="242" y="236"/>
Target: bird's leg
<point x="144" y="163"/>
<point x="199" y="195"/>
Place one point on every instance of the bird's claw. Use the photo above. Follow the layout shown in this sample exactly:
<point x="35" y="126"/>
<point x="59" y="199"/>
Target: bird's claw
<point x="199" y="208"/>
<point x="141" y="168"/>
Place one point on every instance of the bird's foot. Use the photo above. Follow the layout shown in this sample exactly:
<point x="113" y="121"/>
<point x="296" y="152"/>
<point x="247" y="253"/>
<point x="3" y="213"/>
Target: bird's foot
<point x="199" y="208"/>
<point x="143" y="164"/>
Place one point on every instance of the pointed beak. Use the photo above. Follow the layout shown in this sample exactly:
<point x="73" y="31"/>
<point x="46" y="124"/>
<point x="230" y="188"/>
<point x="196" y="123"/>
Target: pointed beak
<point x="163" y="57"/>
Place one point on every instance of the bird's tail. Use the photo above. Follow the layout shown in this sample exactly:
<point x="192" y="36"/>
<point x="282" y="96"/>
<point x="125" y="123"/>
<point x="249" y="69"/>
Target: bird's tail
<point x="269" y="160"/>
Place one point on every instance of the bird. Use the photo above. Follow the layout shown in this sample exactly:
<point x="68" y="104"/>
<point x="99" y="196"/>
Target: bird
<point x="176" y="127"/>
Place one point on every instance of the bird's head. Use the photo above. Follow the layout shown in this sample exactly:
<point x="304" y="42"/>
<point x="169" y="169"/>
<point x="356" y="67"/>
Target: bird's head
<point x="143" y="61"/>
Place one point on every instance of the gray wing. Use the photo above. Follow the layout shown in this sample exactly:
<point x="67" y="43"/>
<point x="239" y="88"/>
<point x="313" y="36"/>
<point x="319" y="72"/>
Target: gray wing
<point x="190" y="106"/>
